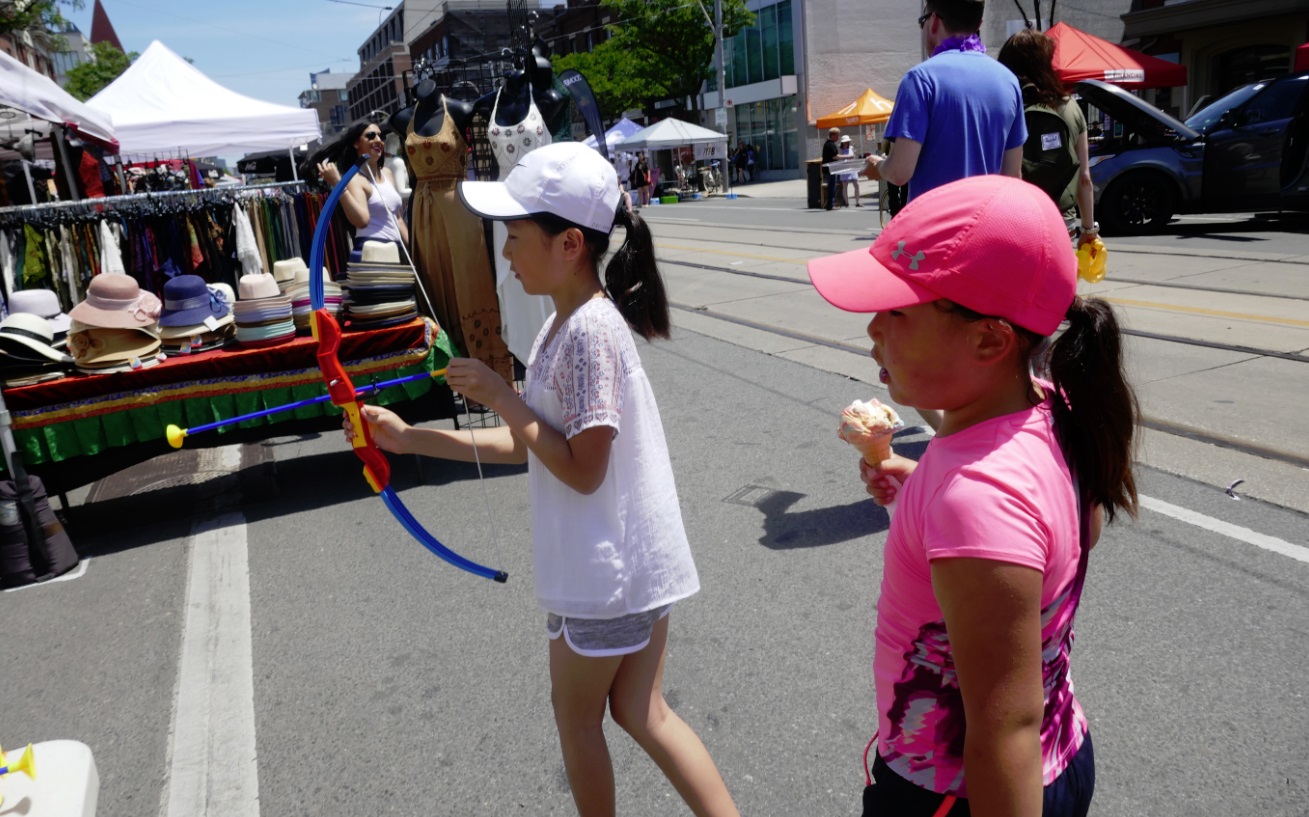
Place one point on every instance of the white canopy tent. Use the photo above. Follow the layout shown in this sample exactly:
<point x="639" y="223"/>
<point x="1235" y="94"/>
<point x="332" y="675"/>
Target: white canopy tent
<point x="162" y="103"/>
<point x="672" y="133"/>
<point x="616" y="135"/>
<point x="38" y="96"/>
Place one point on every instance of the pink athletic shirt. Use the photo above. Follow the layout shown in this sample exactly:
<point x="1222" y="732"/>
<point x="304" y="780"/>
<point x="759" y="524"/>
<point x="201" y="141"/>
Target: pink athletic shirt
<point x="998" y="490"/>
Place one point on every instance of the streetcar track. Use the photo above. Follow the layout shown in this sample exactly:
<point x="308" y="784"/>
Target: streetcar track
<point x="1154" y="423"/>
<point x="1112" y="279"/>
<point x="1125" y="249"/>
<point x="1178" y="339"/>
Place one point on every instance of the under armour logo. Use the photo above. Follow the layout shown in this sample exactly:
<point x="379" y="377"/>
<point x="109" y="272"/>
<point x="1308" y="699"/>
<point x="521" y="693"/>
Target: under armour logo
<point x="913" y="259"/>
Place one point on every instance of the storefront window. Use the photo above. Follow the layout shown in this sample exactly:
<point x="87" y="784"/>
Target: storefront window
<point x="771" y="127"/>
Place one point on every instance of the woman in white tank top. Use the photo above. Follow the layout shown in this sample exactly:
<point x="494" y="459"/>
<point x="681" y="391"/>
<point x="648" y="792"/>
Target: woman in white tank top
<point x="370" y="202"/>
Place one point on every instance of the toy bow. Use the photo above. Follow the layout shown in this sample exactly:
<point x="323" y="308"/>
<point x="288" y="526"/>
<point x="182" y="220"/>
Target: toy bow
<point x="377" y="469"/>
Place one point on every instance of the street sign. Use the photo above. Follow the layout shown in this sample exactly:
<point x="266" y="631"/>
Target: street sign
<point x="720" y="117"/>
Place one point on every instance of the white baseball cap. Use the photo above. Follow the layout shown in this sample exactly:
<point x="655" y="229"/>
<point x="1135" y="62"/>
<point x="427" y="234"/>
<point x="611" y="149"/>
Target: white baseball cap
<point x="565" y="179"/>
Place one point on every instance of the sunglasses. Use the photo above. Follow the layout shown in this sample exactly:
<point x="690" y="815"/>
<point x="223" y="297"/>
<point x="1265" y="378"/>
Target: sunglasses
<point x="927" y="15"/>
<point x="373" y="134"/>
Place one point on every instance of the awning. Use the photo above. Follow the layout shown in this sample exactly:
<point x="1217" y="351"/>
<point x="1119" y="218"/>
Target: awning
<point x="1079" y="56"/>
<point x="869" y="109"/>
<point x="37" y="95"/>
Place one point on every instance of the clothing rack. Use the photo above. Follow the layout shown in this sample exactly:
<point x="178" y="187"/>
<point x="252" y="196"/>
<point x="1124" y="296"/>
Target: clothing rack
<point x="216" y="192"/>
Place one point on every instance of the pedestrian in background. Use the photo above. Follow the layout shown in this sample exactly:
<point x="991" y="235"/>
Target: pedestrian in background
<point x="830" y="151"/>
<point x="610" y="552"/>
<point x="1056" y="156"/>
<point x="957" y="114"/>
<point x="641" y="180"/>
<point x="987" y="553"/>
<point x="852" y="177"/>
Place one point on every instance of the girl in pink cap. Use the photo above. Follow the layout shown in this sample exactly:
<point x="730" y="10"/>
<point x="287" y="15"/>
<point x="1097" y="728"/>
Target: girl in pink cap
<point x="987" y="551"/>
<point x="611" y="556"/>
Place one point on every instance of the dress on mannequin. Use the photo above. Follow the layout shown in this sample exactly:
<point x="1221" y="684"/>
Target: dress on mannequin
<point x="521" y="315"/>
<point x="449" y="249"/>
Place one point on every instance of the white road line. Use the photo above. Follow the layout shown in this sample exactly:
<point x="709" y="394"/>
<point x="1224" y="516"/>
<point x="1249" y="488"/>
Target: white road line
<point x="212" y="768"/>
<point x="1250" y="537"/>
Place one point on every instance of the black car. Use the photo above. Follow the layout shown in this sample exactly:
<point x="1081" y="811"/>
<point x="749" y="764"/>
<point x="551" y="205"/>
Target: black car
<point x="1245" y="152"/>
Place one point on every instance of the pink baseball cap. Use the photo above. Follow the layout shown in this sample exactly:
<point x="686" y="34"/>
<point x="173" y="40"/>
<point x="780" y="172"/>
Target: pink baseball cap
<point x="993" y="244"/>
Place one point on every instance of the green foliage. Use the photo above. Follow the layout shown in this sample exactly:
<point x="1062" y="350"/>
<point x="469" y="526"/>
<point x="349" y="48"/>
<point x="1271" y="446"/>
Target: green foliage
<point x="609" y="72"/>
<point x="658" y="49"/>
<point x="86" y="80"/>
<point x="40" y="18"/>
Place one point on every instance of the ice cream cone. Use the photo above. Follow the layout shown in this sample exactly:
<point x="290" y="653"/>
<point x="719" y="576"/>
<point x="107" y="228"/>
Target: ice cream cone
<point x="876" y="449"/>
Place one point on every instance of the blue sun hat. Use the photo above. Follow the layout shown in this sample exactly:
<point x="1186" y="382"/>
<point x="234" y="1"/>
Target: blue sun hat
<point x="189" y="301"/>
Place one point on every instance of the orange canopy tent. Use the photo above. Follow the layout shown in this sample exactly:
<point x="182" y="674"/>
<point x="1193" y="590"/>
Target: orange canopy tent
<point x="869" y="109"/>
<point x="1079" y="56"/>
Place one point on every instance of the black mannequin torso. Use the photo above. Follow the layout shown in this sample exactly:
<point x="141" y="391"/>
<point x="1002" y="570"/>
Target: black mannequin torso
<point x="513" y="101"/>
<point x="427" y="114"/>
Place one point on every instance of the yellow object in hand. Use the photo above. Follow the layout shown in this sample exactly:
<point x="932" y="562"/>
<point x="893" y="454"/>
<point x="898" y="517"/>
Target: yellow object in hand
<point x="1091" y="260"/>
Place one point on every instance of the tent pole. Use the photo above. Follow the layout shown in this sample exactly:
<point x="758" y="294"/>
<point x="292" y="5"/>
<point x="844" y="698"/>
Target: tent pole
<point x="27" y="174"/>
<point x="58" y="131"/>
<point x="295" y="174"/>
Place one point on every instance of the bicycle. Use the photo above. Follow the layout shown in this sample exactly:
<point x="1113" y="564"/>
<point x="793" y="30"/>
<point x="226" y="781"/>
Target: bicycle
<point x="710" y="179"/>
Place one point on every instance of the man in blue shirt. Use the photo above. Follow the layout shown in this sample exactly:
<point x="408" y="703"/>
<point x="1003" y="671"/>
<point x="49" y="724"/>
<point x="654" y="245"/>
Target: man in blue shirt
<point x="957" y="114"/>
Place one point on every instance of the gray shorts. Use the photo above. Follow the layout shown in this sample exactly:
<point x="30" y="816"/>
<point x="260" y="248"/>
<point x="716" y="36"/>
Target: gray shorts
<point x="602" y="637"/>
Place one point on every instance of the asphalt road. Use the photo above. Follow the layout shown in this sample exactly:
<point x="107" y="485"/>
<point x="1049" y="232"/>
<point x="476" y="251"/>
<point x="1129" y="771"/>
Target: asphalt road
<point x="371" y="678"/>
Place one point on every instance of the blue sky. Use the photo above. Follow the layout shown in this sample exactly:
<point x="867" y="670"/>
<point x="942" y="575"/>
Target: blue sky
<point x="261" y="48"/>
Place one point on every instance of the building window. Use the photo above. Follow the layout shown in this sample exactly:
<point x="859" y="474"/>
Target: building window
<point x="1242" y="66"/>
<point x="764" y="51"/>
<point x="771" y="126"/>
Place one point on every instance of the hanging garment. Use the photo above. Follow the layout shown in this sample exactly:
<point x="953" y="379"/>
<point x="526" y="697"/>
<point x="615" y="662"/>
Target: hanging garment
<point x="247" y="252"/>
<point x="521" y="315"/>
<point x="34" y="267"/>
<point x="111" y="257"/>
<point x="449" y="249"/>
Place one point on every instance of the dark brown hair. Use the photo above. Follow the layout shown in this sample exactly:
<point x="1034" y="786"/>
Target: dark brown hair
<point x="958" y="16"/>
<point x="631" y="278"/>
<point x="1094" y="407"/>
<point x="1030" y="55"/>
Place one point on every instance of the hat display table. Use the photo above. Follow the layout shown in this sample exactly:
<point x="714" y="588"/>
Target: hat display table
<point x="74" y="419"/>
<point x="67" y="783"/>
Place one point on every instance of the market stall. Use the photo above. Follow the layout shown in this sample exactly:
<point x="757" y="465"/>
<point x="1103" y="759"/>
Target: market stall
<point x="869" y="110"/>
<point x="705" y="145"/>
<point x="75" y="429"/>
<point x="162" y="103"/>
<point x="1079" y="56"/>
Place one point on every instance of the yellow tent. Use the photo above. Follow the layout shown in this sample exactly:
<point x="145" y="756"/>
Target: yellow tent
<point x="869" y="109"/>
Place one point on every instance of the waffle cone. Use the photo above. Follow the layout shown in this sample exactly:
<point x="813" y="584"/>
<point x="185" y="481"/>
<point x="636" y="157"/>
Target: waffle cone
<point x="876" y="450"/>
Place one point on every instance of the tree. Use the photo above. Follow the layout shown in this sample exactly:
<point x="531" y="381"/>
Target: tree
<point x="609" y="72"/>
<point x="41" y="19"/>
<point x="658" y="49"/>
<point x="86" y="80"/>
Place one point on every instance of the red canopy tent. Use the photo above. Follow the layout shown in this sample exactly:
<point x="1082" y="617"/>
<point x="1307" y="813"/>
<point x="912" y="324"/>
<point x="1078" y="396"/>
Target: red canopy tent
<point x="1078" y="56"/>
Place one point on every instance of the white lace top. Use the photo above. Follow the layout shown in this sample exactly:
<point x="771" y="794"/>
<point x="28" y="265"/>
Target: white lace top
<point x="622" y="549"/>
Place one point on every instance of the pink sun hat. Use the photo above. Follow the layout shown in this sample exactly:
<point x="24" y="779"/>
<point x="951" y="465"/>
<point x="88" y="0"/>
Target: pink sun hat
<point x="994" y="244"/>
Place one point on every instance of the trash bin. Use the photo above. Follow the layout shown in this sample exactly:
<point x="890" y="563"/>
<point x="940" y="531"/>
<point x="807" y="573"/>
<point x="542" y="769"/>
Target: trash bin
<point x="814" y="176"/>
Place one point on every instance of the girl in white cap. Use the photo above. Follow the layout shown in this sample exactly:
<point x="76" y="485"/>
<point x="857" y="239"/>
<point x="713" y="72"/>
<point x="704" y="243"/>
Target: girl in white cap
<point x="610" y="552"/>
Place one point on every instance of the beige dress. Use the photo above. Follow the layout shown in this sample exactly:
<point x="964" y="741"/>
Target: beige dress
<point x="449" y="248"/>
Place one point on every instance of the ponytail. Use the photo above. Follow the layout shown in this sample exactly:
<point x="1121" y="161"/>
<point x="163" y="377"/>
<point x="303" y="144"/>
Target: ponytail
<point x="631" y="279"/>
<point x="1096" y="418"/>
<point x="633" y="282"/>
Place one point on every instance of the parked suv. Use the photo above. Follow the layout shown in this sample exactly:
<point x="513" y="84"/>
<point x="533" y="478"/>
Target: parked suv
<point x="1244" y="152"/>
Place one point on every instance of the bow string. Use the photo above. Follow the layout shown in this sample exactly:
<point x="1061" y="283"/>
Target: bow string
<point x="327" y="332"/>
